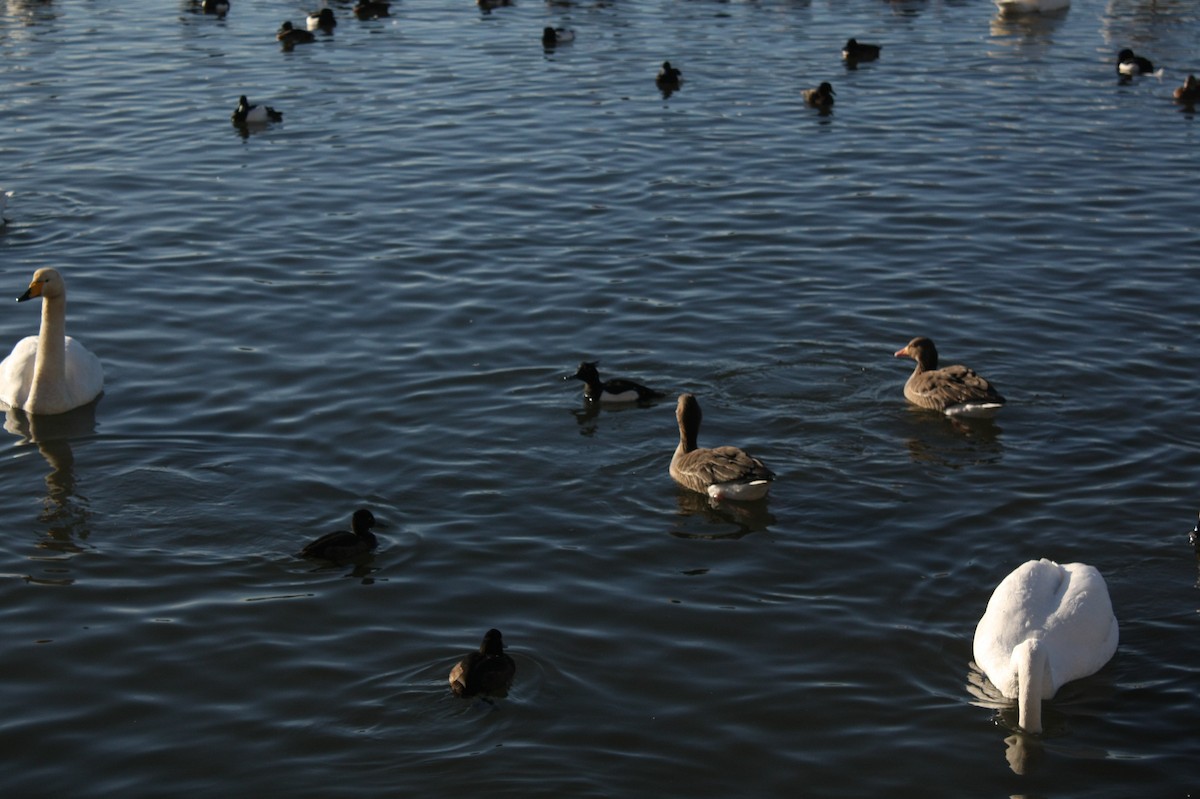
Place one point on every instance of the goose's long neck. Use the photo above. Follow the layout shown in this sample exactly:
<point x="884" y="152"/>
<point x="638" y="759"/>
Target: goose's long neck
<point x="50" y="368"/>
<point x="1031" y="674"/>
<point x="688" y="433"/>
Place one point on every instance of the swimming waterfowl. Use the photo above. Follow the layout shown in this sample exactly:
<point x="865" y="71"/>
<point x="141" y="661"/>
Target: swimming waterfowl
<point x="615" y="390"/>
<point x="669" y="78"/>
<point x="1130" y="64"/>
<point x="371" y="9"/>
<point x="953" y="390"/>
<point x="246" y="114"/>
<point x="556" y="36"/>
<point x="857" y="51"/>
<point x="322" y="20"/>
<point x="51" y="372"/>
<point x="218" y="7"/>
<point x="1031" y="6"/>
<point x="721" y="472"/>
<point x="488" y="671"/>
<point x="290" y="36"/>
<point x="820" y="97"/>
<point x="1044" y="626"/>
<point x="345" y="544"/>
<point x="1187" y="94"/>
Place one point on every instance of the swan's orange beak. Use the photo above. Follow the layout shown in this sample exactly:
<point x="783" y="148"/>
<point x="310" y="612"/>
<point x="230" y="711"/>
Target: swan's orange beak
<point x="35" y="290"/>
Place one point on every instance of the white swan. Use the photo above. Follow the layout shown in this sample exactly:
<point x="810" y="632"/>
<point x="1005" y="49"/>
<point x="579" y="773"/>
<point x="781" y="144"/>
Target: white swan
<point x="50" y="372"/>
<point x="1044" y="626"/>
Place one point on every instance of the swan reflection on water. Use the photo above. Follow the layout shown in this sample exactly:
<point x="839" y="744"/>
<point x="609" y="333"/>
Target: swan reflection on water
<point x="1025" y="752"/>
<point x="66" y="516"/>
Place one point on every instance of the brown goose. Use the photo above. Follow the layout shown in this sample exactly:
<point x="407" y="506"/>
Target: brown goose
<point x="721" y="472"/>
<point x="953" y="390"/>
<point x="488" y="671"/>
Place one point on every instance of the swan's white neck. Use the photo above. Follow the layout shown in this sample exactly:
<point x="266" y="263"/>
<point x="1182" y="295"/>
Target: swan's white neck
<point x="50" y="370"/>
<point x="1030" y="660"/>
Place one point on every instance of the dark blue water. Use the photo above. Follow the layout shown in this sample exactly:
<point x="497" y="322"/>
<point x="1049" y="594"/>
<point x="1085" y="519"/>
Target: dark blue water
<point x="373" y="303"/>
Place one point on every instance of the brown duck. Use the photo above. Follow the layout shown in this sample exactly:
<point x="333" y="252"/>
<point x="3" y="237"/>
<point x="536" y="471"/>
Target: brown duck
<point x="952" y="390"/>
<point x="1189" y="92"/>
<point x="488" y="671"/>
<point x="721" y="472"/>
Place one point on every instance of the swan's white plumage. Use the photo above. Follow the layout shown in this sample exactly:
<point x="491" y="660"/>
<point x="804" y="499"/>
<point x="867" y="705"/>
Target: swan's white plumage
<point x="50" y="373"/>
<point x="1044" y="626"/>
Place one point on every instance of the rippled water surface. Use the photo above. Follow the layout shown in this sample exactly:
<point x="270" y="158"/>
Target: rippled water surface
<point x="373" y="303"/>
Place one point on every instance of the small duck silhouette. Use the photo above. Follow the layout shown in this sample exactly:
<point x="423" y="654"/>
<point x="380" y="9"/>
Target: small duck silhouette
<point x="1128" y="63"/>
<point x="345" y="544"/>
<point x="371" y="9"/>
<point x="820" y="97"/>
<point x="488" y="671"/>
<point x="669" y="79"/>
<point x="552" y="37"/>
<point x="857" y="51"/>
<point x="322" y="20"/>
<point x="290" y="37"/>
<point x="615" y="390"/>
<point x="247" y="114"/>
<point x="1189" y="93"/>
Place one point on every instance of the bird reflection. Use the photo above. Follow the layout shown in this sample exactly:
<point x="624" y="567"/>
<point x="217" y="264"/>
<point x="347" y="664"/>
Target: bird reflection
<point x="907" y="8"/>
<point x="1023" y="754"/>
<point x="587" y="416"/>
<point x="739" y="519"/>
<point x="52" y="435"/>
<point x="30" y="12"/>
<point x="1086" y="697"/>
<point x="1023" y="751"/>
<point x="363" y="572"/>
<point x="954" y="441"/>
<point x="1035" y="31"/>
<point x="1194" y="537"/>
